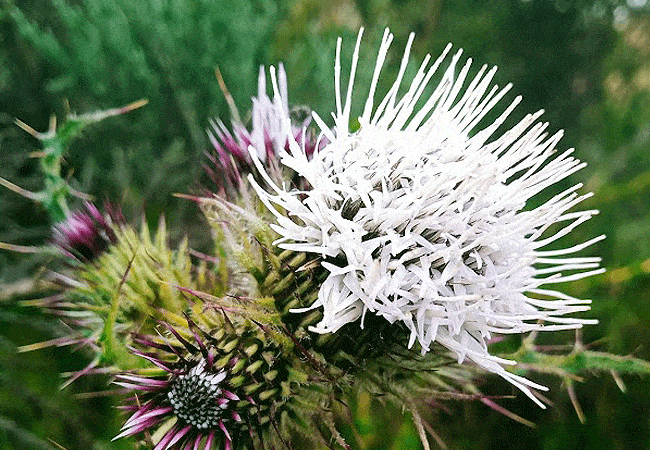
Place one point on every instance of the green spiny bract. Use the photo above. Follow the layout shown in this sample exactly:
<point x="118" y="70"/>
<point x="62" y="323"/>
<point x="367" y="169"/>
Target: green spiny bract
<point x="131" y="282"/>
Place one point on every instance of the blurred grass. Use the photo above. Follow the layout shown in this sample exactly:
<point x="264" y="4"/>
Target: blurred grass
<point x="587" y="63"/>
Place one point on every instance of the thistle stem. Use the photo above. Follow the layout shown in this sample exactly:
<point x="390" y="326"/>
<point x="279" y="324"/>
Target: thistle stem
<point x="55" y="143"/>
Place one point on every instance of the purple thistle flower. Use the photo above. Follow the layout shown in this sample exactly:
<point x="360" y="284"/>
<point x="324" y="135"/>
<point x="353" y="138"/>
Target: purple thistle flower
<point x="212" y="389"/>
<point x="199" y="400"/>
<point x="86" y="234"/>
<point x="267" y="136"/>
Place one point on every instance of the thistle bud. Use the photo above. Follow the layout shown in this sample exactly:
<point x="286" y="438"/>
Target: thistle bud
<point x="221" y="388"/>
<point x="266" y="138"/>
<point x="84" y="235"/>
<point x="129" y="283"/>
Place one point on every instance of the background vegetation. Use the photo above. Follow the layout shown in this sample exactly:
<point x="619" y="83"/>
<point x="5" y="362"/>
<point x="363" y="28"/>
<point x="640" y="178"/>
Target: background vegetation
<point x="586" y="62"/>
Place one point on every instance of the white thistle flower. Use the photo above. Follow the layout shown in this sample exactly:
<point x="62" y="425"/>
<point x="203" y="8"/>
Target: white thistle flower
<point x="421" y="218"/>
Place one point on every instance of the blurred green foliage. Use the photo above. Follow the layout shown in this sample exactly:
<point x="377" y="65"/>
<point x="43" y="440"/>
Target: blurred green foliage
<point x="96" y="54"/>
<point x="586" y="62"/>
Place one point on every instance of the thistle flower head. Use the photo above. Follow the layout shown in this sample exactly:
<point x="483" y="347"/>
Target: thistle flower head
<point x="422" y="216"/>
<point x="267" y="136"/>
<point x="211" y="391"/>
<point x="86" y="234"/>
<point x="199" y="399"/>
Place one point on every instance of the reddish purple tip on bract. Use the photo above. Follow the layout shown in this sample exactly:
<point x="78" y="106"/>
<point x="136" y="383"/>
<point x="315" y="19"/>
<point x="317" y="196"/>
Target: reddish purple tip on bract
<point x="86" y="234"/>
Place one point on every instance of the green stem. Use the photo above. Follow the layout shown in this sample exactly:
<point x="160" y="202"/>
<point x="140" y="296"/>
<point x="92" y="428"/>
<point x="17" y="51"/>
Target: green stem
<point x="55" y="143"/>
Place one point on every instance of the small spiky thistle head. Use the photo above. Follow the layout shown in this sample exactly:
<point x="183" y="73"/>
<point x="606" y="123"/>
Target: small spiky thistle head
<point x="227" y="383"/>
<point x="121" y="290"/>
<point x="86" y="234"/>
<point x="212" y="385"/>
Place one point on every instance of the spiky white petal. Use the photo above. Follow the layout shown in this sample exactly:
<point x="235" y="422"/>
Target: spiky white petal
<point x="267" y="115"/>
<point x="421" y="218"/>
